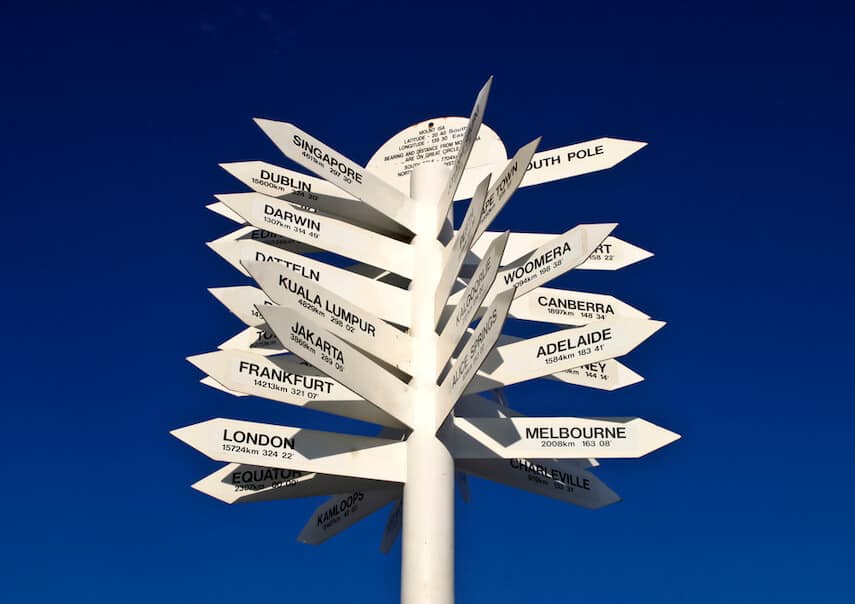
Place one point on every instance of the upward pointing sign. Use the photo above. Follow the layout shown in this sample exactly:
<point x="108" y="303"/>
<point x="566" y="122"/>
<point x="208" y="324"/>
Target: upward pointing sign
<point x="469" y="137"/>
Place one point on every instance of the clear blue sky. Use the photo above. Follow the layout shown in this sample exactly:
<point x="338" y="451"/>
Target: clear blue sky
<point x="113" y="123"/>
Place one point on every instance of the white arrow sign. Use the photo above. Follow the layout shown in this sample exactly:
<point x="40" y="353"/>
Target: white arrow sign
<point x="469" y="302"/>
<point x="554" y="258"/>
<point x="505" y="186"/>
<point x="603" y="375"/>
<point x="260" y="340"/>
<point x="298" y="449"/>
<point x="564" y="480"/>
<point x="278" y="182"/>
<point x="570" y="308"/>
<point x="459" y="247"/>
<point x="311" y="193"/>
<point x="475" y="119"/>
<point x="338" y="359"/>
<point x="561" y="437"/>
<point x="288" y="379"/>
<point x="562" y="350"/>
<point x="222" y="209"/>
<point x="611" y="254"/>
<point x="239" y="483"/>
<point x="581" y="158"/>
<point x="328" y="233"/>
<point x="477" y="348"/>
<point x="338" y="315"/>
<point x="339" y="170"/>
<point x="342" y="511"/>
<point x="274" y="242"/>
<point x="386" y="301"/>
<point x="212" y="383"/>
<point x="241" y="300"/>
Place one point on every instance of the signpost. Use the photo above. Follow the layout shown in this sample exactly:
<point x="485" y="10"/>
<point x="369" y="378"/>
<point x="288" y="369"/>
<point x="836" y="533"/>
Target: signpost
<point x="390" y="340"/>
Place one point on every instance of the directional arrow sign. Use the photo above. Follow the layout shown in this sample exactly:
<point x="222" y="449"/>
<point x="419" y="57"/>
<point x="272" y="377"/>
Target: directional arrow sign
<point x="274" y="239"/>
<point x="338" y="315"/>
<point x="611" y="254"/>
<point x="459" y="247"/>
<point x="564" y="480"/>
<point x="328" y="233"/>
<point x="241" y="300"/>
<point x="311" y="193"/>
<point x="505" y="186"/>
<point x="250" y="235"/>
<point x="475" y="119"/>
<point x="287" y="379"/>
<point x="212" y="383"/>
<point x="298" y="449"/>
<point x="473" y="354"/>
<point x="339" y="170"/>
<point x="554" y="258"/>
<point x="386" y="301"/>
<point x="340" y="512"/>
<point x="393" y="527"/>
<point x="338" y="359"/>
<point x="277" y="182"/>
<point x="561" y="437"/>
<point x="469" y="302"/>
<point x="222" y="209"/>
<point x="260" y="340"/>
<point x="561" y="350"/>
<point x="603" y="375"/>
<point x="577" y="159"/>
<point x="238" y="483"/>
<point x="570" y="308"/>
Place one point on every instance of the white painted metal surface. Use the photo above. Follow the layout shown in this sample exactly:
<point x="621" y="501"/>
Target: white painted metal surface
<point x="338" y="359"/>
<point x="346" y="174"/>
<point x="384" y="300"/>
<point x="565" y="307"/>
<point x="603" y="375"/>
<point x="241" y="301"/>
<point x="349" y="324"/>
<point x="462" y="158"/>
<point x="427" y="546"/>
<point x="338" y="315"/>
<point x="474" y="352"/>
<point x="562" y="350"/>
<point x="469" y="302"/>
<point x="297" y="449"/>
<point x="288" y="379"/>
<point x="245" y="483"/>
<point x="341" y="511"/>
<point x="329" y="233"/>
<point x="437" y="140"/>
<point x="504" y="186"/>
<point x="612" y="254"/>
<point x="559" y="437"/>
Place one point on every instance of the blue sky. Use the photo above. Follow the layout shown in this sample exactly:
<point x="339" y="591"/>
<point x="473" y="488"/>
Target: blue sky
<point x="114" y="121"/>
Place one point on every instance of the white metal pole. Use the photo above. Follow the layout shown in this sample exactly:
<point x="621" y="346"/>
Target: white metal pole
<point x="427" y="560"/>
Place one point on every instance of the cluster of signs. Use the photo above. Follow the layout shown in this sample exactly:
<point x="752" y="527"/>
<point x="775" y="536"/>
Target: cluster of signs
<point x="336" y="339"/>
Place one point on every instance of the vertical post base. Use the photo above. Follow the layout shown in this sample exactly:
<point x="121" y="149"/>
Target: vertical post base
<point x="427" y="560"/>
